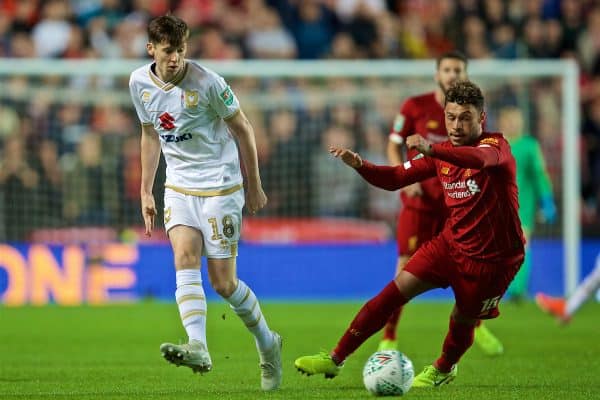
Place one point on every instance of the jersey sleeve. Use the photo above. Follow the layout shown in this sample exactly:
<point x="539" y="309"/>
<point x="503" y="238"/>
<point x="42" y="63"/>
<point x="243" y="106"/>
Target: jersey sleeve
<point x="396" y="177"/>
<point x="222" y="99"/>
<point x="489" y="152"/>
<point x="136" y="98"/>
<point x="403" y="123"/>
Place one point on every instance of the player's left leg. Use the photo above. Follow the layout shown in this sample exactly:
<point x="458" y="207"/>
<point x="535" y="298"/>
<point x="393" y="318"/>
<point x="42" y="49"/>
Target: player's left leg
<point x="457" y="342"/>
<point x="243" y="301"/>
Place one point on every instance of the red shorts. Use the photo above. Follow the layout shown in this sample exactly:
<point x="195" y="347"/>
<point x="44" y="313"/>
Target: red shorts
<point x="416" y="227"/>
<point x="478" y="286"/>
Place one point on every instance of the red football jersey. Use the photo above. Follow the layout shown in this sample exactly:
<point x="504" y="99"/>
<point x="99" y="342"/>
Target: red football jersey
<point x="425" y="116"/>
<point x="480" y="191"/>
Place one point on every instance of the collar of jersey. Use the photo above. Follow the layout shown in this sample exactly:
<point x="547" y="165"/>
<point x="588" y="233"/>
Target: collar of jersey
<point x="166" y="86"/>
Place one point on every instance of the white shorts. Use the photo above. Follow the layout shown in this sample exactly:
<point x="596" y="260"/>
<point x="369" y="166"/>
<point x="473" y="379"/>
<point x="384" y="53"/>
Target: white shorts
<point x="218" y="218"/>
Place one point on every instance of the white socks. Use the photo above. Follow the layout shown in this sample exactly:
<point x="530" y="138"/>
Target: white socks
<point x="192" y="303"/>
<point x="245" y="304"/>
<point x="585" y="289"/>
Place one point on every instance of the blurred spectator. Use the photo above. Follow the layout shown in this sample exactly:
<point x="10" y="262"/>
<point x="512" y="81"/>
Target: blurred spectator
<point x="362" y="27"/>
<point x="131" y="182"/>
<point x="591" y="149"/>
<point x="49" y="189"/>
<point x="572" y="22"/>
<point x="18" y="183"/>
<point x="267" y="38"/>
<point x="344" y="48"/>
<point x="9" y="122"/>
<point x="51" y="34"/>
<point x="21" y="46"/>
<point x="313" y="27"/>
<point x="72" y="127"/>
<point x="588" y="44"/>
<point x="381" y="205"/>
<point x="285" y="175"/>
<point x="337" y="188"/>
<point x="90" y="185"/>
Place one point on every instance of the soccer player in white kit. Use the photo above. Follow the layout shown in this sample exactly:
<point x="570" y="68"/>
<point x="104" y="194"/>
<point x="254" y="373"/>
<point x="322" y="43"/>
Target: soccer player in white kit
<point x="191" y="113"/>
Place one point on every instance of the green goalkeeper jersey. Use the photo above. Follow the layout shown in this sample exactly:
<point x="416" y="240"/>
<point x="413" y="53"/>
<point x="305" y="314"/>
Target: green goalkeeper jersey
<point x="532" y="178"/>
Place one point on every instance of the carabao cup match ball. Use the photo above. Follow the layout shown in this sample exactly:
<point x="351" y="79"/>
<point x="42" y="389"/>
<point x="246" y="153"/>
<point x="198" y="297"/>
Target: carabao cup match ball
<point x="388" y="373"/>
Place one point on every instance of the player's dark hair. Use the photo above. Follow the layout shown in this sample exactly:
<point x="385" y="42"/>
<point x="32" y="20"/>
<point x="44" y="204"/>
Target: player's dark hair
<point x="454" y="55"/>
<point x="463" y="93"/>
<point x="168" y="29"/>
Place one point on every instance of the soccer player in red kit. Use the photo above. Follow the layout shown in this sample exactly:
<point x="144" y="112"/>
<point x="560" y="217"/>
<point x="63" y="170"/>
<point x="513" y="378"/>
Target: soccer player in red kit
<point x="479" y="250"/>
<point x="423" y="212"/>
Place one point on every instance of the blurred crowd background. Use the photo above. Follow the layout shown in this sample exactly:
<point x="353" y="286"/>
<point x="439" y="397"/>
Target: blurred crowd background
<point x="73" y="159"/>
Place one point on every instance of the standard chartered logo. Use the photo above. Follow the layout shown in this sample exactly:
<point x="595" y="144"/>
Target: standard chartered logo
<point x="473" y="187"/>
<point x="462" y="189"/>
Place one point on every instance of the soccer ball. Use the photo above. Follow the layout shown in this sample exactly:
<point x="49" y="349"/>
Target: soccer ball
<point x="388" y="373"/>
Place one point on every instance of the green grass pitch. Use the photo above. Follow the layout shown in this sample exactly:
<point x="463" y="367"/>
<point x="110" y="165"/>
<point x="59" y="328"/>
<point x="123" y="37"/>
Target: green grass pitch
<point x="112" y="353"/>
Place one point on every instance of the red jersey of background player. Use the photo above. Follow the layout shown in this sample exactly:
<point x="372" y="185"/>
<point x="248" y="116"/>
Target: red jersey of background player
<point x="421" y="115"/>
<point x="475" y="179"/>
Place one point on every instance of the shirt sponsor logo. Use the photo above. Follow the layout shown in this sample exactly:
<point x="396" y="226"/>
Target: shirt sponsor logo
<point x="227" y="96"/>
<point x="167" y="121"/>
<point x="462" y="189"/>
<point x="176" y="139"/>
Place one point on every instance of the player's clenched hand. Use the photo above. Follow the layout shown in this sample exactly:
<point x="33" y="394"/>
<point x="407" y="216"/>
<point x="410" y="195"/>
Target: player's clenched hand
<point x="348" y="156"/>
<point x="419" y="143"/>
<point x="148" y="212"/>
<point x="255" y="199"/>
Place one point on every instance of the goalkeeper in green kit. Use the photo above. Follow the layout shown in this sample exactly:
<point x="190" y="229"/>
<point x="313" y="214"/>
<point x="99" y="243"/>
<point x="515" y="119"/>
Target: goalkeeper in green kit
<point x="535" y="188"/>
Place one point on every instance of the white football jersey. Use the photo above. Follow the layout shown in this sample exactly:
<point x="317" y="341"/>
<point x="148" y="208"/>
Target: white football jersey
<point x="188" y="114"/>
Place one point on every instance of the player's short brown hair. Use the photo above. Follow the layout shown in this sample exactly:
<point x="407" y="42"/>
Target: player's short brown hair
<point x="463" y="93"/>
<point x="168" y="29"/>
<point x="454" y="55"/>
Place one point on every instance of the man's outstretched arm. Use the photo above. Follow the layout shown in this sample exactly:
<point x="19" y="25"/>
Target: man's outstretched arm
<point x="384" y="176"/>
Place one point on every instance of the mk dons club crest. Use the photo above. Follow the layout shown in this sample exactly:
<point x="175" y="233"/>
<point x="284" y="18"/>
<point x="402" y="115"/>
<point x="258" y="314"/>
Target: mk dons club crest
<point x="191" y="98"/>
<point x="145" y="96"/>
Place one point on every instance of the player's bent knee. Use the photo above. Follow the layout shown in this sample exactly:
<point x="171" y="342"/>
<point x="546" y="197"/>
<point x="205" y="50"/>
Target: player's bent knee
<point x="225" y="288"/>
<point x="185" y="260"/>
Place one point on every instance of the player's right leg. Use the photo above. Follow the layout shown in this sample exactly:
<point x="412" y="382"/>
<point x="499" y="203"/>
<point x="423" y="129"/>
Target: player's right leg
<point x="191" y="301"/>
<point x="221" y="239"/>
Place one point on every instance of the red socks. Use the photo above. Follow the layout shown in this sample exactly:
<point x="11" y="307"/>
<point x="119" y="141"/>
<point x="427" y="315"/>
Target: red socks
<point x="457" y="342"/>
<point x="370" y="319"/>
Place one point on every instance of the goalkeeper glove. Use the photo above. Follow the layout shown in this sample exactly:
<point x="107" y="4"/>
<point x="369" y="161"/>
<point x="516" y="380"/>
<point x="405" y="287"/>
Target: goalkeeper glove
<point x="548" y="209"/>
